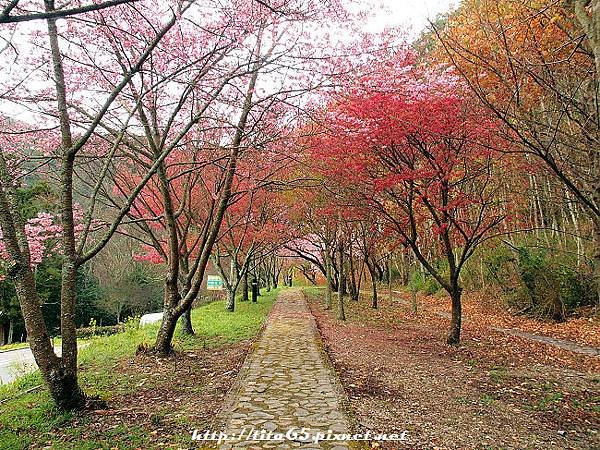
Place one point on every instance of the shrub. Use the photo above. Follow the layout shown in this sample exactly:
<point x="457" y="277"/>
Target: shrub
<point x="538" y="283"/>
<point x="423" y="283"/>
<point x="577" y="288"/>
<point x="91" y="331"/>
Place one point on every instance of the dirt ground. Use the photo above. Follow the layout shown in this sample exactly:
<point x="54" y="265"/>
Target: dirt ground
<point x="486" y="310"/>
<point x="171" y="397"/>
<point x="494" y="391"/>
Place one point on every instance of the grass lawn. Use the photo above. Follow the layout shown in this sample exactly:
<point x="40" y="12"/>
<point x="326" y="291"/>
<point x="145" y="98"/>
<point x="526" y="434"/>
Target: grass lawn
<point x="110" y="370"/>
<point x="15" y="346"/>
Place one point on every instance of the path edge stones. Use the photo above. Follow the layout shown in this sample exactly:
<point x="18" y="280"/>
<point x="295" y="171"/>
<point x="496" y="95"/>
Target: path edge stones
<point x="221" y="418"/>
<point x="219" y="422"/>
<point x="339" y="387"/>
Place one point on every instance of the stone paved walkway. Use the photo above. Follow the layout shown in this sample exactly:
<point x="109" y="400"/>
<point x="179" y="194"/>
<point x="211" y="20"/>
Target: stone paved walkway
<point x="287" y="381"/>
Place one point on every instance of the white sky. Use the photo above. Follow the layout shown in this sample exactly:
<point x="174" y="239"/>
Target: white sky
<point x="410" y="14"/>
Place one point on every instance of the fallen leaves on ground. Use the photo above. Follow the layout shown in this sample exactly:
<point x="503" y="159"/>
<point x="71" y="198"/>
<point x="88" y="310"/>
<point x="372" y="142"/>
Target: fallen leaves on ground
<point x="494" y="391"/>
<point x="172" y="396"/>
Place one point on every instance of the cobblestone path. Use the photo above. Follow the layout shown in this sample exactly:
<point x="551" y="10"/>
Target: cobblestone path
<point x="286" y="382"/>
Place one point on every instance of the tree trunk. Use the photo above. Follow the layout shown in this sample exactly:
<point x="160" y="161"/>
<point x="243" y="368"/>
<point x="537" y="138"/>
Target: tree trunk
<point x="389" y="280"/>
<point x="166" y="331"/>
<point x="62" y="377"/>
<point x="353" y="285"/>
<point x="62" y="383"/>
<point x="163" y="346"/>
<point x="596" y="260"/>
<point x="455" y="323"/>
<point x="342" y="282"/>
<point x="328" y="279"/>
<point x="353" y="289"/>
<point x="403" y="269"/>
<point x="361" y="276"/>
<point x="68" y="330"/>
<point x="186" y="322"/>
<point x="374" y="283"/>
<point x="230" y="300"/>
<point x="335" y="279"/>
<point x="588" y="15"/>
<point x="245" y="286"/>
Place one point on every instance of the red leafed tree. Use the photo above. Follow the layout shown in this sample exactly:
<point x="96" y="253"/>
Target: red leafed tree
<point x="178" y="217"/>
<point x="423" y="154"/>
<point x="251" y="112"/>
<point x="313" y="223"/>
<point x="79" y="82"/>
<point x="254" y="228"/>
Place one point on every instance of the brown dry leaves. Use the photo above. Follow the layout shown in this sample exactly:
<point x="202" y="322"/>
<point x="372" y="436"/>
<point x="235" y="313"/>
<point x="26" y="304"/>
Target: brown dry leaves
<point x="171" y="397"/>
<point x="495" y="391"/>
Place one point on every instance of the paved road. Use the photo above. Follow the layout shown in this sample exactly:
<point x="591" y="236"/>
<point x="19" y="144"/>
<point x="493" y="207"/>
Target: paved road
<point x="287" y="381"/>
<point x="16" y="363"/>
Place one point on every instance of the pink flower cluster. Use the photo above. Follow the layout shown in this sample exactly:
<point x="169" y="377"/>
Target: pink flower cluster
<point x="40" y="231"/>
<point x="42" y="234"/>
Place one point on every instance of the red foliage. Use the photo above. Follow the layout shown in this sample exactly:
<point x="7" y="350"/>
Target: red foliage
<point x="420" y="150"/>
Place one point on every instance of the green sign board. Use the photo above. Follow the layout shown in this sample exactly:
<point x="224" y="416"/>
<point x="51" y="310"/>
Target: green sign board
<point x="214" y="283"/>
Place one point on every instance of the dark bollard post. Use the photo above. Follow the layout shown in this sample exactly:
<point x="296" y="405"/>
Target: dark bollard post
<point x="254" y="290"/>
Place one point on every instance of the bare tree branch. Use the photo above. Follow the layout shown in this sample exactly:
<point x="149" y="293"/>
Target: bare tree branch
<point x="5" y="17"/>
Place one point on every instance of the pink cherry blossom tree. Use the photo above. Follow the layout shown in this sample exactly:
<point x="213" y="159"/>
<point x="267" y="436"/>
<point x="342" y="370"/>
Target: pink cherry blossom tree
<point x="66" y="137"/>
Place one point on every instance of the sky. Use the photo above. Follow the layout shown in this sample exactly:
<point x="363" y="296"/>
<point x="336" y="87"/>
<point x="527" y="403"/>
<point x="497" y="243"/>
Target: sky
<point x="410" y="14"/>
